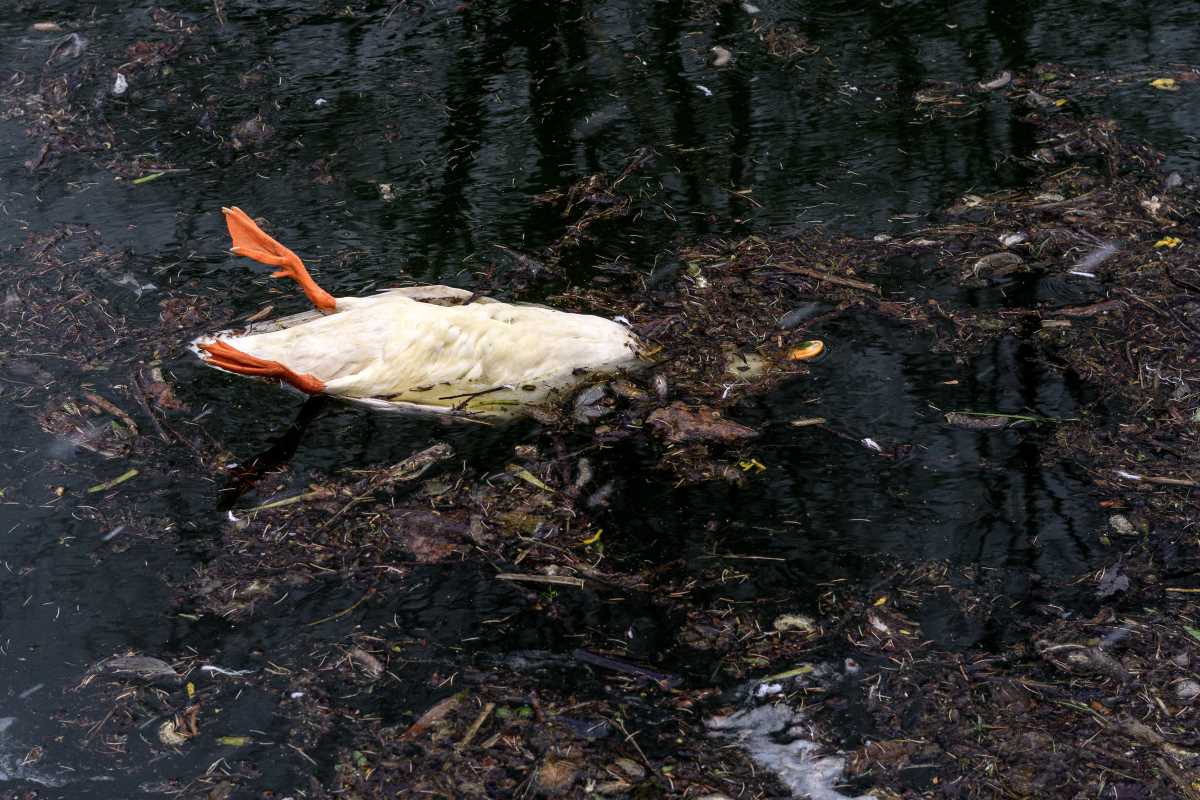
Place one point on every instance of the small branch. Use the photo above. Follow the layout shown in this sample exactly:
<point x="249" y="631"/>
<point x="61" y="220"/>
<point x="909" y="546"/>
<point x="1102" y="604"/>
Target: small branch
<point x="820" y="275"/>
<point x="556" y="580"/>
<point x="1103" y="307"/>
<point x="488" y="708"/>
<point x="344" y="611"/>
<point x="1131" y="476"/>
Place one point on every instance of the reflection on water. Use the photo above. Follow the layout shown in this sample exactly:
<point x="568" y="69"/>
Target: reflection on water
<point x="466" y="112"/>
<point x="827" y="500"/>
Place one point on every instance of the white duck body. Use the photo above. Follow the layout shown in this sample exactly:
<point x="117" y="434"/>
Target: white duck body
<point x="406" y="350"/>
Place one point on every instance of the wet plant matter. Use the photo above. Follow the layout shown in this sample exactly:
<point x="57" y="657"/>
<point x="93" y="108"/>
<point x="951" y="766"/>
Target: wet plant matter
<point x="985" y="589"/>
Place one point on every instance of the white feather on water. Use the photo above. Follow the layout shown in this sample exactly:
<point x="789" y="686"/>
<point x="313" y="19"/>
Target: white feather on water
<point x="773" y="735"/>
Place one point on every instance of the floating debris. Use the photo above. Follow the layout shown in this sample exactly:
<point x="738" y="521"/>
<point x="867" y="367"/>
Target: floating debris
<point x="801" y="314"/>
<point x="145" y="667"/>
<point x="67" y="48"/>
<point x="117" y="481"/>
<point x="1097" y="257"/>
<point x="680" y="424"/>
<point x="806" y="351"/>
<point x="999" y="82"/>
<point x="976" y="422"/>
<point x="997" y="264"/>
<point x="773" y="735"/>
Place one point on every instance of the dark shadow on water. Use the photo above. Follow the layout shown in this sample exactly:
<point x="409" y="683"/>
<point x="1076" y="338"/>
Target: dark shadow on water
<point x="244" y="477"/>
<point x="828" y="506"/>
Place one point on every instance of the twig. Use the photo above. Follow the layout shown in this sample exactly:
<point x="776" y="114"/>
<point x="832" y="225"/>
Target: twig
<point x="742" y="195"/>
<point x="820" y="275"/>
<point x="1180" y="282"/>
<point x="287" y="501"/>
<point x="139" y="395"/>
<point x="557" y="580"/>
<point x="104" y="487"/>
<point x="409" y="469"/>
<point x="1132" y="476"/>
<point x="616" y="665"/>
<point x="736" y="557"/>
<point x="1020" y="417"/>
<point x="630" y="737"/>
<point x="111" y="408"/>
<point x="344" y="611"/>
<point x="307" y="757"/>
<point x="1181" y="781"/>
<point x="439" y="710"/>
<point x="1103" y="307"/>
<point x="488" y="708"/>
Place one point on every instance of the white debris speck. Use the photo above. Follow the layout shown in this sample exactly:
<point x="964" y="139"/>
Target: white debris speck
<point x="1097" y="257"/>
<point x="215" y="670"/>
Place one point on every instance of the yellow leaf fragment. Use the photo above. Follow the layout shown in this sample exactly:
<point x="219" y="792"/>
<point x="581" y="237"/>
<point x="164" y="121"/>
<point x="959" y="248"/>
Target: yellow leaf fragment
<point x="1166" y="84"/>
<point x="595" y="537"/>
<point x="882" y="601"/>
<point x="752" y="464"/>
<point x="1169" y="241"/>
<point x="529" y="477"/>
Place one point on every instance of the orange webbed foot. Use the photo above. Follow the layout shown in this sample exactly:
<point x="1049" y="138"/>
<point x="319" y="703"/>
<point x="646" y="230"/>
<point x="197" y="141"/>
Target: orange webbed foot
<point x="251" y="241"/>
<point x="227" y="357"/>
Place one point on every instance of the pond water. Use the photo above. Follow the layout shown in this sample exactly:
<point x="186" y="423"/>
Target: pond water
<point x="464" y="112"/>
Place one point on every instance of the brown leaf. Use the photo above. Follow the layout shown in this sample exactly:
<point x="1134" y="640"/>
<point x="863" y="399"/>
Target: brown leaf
<point x="680" y="424"/>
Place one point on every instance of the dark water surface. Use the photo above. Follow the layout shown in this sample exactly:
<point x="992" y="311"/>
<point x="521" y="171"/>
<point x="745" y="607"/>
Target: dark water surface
<point x="467" y="111"/>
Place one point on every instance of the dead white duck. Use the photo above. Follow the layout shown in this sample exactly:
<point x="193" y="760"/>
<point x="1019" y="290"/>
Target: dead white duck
<point x="432" y="349"/>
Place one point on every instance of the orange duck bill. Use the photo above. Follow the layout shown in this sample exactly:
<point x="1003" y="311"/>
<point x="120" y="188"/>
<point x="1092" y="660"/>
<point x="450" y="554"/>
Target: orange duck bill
<point x="250" y="241"/>
<point x="227" y="357"/>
